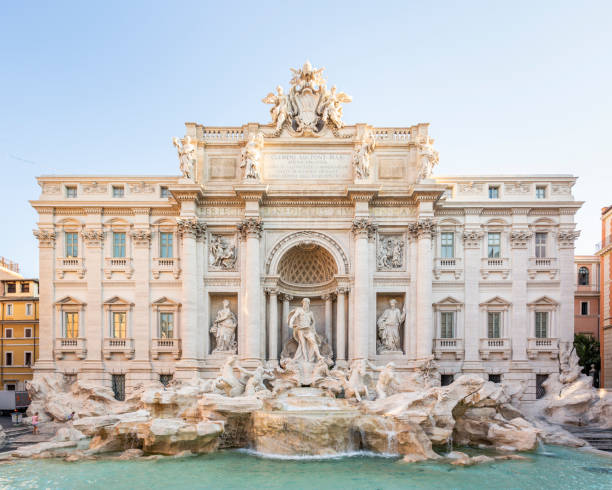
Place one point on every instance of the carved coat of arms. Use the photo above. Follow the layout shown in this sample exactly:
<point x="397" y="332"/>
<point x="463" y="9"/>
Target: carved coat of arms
<point x="309" y="106"/>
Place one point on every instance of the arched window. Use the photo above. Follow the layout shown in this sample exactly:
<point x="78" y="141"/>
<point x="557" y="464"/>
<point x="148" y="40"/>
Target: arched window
<point x="583" y="276"/>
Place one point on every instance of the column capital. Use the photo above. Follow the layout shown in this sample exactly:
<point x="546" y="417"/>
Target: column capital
<point x="423" y="228"/>
<point x="141" y="238"/>
<point x="93" y="238"/>
<point x="519" y="238"/>
<point x="363" y="228"/>
<point x="286" y="297"/>
<point x="46" y="238"/>
<point x="190" y="227"/>
<point x="327" y="297"/>
<point x="250" y="227"/>
<point x="271" y="291"/>
<point x="472" y="238"/>
<point x="566" y="238"/>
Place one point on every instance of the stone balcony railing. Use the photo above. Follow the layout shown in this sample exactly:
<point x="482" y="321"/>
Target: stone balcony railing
<point x="495" y="265"/>
<point x="69" y="264"/>
<point x="223" y="134"/>
<point x="166" y="264"/>
<point x="65" y="346"/>
<point x="451" y="265"/>
<point x="118" y="264"/>
<point x="449" y="346"/>
<point x="166" y="346"/>
<point x="495" y="346"/>
<point x="536" y="346"/>
<point x="542" y="264"/>
<point x="118" y="346"/>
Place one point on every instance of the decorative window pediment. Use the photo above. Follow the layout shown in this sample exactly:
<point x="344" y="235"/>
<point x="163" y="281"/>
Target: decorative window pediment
<point x="496" y="301"/>
<point x="166" y="303"/>
<point x="117" y="301"/>
<point x="69" y="301"/>
<point x="448" y="303"/>
<point x="544" y="301"/>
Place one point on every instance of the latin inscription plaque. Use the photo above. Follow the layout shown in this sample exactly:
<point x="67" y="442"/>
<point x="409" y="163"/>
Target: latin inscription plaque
<point x="307" y="166"/>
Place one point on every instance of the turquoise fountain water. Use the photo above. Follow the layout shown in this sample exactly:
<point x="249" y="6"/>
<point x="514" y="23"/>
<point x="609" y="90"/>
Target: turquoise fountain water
<point x="551" y="467"/>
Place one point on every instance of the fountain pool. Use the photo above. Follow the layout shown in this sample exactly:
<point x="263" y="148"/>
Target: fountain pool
<point x="550" y="467"/>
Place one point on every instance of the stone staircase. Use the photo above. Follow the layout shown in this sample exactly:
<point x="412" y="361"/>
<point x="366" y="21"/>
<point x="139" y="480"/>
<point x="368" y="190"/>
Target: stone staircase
<point x="598" y="438"/>
<point x="12" y="434"/>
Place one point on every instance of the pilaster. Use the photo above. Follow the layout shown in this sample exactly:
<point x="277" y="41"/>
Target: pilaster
<point x="472" y="245"/>
<point x="46" y="263"/>
<point x="567" y="283"/>
<point x="519" y="240"/>
<point x="424" y="230"/>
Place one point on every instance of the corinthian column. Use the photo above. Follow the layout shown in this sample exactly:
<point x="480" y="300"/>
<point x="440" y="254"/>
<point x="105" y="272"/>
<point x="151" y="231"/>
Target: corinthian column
<point x="362" y="227"/>
<point x="285" y="315"/>
<point x="424" y="230"/>
<point x="328" y="317"/>
<point x="273" y="324"/>
<point x="251" y="229"/>
<point x="190" y="230"/>
<point x="340" y="325"/>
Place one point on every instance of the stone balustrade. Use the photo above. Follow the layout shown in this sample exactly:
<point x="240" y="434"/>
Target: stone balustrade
<point x="495" y="346"/>
<point x="537" y="346"/>
<point x="166" y="346"/>
<point x="70" y="264"/>
<point x="491" y="265"/>
<point x="543" y="264"/>
<point x="166" y="264"/>
<point x="118" y="346"/>
<point x="449" y="346"/>
<point x="118" y="264"/>
<point x="75" y="346"/>
<point x="451" y="265"/>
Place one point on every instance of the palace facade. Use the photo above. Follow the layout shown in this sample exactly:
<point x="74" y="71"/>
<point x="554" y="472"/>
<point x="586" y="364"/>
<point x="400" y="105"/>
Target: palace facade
<point x="145" y="278"/>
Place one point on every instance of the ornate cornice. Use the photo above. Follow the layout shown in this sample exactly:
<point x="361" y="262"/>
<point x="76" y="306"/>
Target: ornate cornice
<point x="250" y="227"/>
<point x="190" y="227"/>
<point x="93" y="210"/>
<point x="141" y="211"/>
<point x="46" y="238"/>
<point x="363" y="227"/>
<point x="519" y="238"/>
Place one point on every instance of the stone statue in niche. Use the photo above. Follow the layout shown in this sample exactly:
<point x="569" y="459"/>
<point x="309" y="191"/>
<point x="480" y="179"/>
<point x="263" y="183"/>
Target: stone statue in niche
<point x="224" y="330"/>
<point x="186" y="155"/>
<point x="251" y="156"/>
<point x="302" y="323"/>
<point x="388" y="328"/>
<point x="361" y="155"/>
<point x="222" y="253"/>
<point x="390" y="253"/>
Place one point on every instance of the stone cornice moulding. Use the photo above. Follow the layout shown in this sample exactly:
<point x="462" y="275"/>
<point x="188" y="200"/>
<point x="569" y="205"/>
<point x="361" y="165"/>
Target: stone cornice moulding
<point x="364" y="193"/>
<point x="251" y="192"/>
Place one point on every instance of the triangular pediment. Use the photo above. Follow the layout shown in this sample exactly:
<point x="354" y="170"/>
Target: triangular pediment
<point x="448" y="301"/>
<point x="116" y="300"/>
<point x="496" y="301"/>
<point x="544" y="301"/>
<point x="164" y="301"/>
<point x="69" y="301"/>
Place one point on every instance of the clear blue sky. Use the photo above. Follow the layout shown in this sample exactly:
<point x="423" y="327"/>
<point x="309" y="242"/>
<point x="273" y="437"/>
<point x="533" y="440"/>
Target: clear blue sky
<point x="100" y="87"/>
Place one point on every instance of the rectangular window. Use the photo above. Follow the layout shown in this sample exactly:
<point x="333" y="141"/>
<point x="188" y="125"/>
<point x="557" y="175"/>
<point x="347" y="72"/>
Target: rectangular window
<point x="119" y="386"/>
<point x="27" y="333"/>
<point x="119" y="324"/>
<point x="541" y="324"/>
<point x="27" y="359"/>
<point x="28" y="309"/>
<point x="8" y="359"/>
<point x="166" y="325"/>
<point x="71" y="191"/>
<point x="118" y="191"/>
<point x="163" y="191"/>
<point x="540" y="245"/>
<point x="72" y="244"/>
<point x="447" y="325"/>
<point x="584" y="308"/>
<point x="25" y="287"/>
<point x="11" y="287"/>
<point x="540" y="192"/>
<point x="10" y="387"/>
<point x="118" y="244"/>
<point x="446" y="379"/>
<point x="448" y="245"/>
<point x="494" y="245"/>
<point x="9" y="309"/>
<point x="494" y="325"/>
<point x="71" y="325"/>
<point x="493" y="192"/>
<point x="165" y="245"/>
<point x="8" y="333"/>
<point x="540" y="390"/>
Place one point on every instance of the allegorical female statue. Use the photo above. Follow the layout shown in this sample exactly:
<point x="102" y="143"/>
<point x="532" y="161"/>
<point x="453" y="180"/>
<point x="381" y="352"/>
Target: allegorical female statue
<point x="388" y="327"/>
<point x="224" y="330"/>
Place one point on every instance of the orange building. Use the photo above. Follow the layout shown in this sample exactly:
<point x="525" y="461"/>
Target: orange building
<point x="586" y="297"/>
<point x="605" y="323"/>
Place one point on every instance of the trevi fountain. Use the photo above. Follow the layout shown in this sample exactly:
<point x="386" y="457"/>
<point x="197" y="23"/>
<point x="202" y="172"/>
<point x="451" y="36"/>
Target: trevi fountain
<point x="341" y="341"/>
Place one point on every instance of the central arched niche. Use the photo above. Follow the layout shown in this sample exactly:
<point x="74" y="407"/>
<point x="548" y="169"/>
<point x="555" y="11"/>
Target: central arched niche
<point x="308" y="267"/>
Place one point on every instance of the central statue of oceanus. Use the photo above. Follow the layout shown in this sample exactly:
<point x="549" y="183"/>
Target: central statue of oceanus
<point x="302" y="322"/>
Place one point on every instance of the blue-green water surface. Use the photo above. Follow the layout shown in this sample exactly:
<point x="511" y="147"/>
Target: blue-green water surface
<point x="551" y="467"/>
